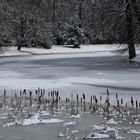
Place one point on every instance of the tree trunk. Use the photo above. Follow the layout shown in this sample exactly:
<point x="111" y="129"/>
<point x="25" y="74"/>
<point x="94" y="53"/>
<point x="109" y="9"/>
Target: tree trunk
<point x="22" y="29"/>
<point x="136" y="10"/>
<point x="54" y="10"/>
<point x="130" y="34"/>
<point x="19" y="47"/>
<point x="80" y="10"/>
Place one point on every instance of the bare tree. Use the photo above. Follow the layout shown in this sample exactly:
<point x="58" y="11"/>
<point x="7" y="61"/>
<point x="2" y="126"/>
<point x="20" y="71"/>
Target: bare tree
<point x="136" y="10"/>
<point x="130" y="33"/>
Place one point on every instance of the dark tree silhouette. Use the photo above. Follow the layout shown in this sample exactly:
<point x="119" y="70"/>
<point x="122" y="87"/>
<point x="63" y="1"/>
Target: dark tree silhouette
<point x="130" y="34"/>
<point x="36" y="23"/>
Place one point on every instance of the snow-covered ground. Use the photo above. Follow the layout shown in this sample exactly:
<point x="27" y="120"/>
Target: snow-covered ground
<point x="12" y="51"/>
<point x="68" y="52"/>
<point x="137" y="59"/>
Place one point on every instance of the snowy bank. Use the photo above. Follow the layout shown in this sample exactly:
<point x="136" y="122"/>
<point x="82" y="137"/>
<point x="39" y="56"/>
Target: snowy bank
<point x="136" y="59"/>
<point x="64" y="51"/>
<point x="12" y="51"/>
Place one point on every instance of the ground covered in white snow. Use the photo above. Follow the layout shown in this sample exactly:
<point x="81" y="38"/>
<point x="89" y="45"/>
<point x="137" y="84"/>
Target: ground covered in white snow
<point x="99" y="50"/>
<point x="12" y="51"/>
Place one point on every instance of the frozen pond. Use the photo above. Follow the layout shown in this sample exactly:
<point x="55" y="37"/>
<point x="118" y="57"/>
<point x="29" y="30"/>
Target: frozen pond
<point x="92" y="73"/>
<point x="86" y="74"/>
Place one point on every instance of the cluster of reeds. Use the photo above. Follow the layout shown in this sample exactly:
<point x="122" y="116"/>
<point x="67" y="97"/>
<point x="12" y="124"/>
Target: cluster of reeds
<point x="104" y="104"/>
<point x="73" y="105"/>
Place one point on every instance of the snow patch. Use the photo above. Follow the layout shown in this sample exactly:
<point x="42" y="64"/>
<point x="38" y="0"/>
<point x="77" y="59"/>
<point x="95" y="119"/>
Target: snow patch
<point x="111" y="121"/>
<point x="69" y="124"/>
<point x="33" y="120"/>
<point x="133" y="131"/>
<point x="75" y="116"/>
<point x="98" y="127"/>
<point x="97" y="136"/>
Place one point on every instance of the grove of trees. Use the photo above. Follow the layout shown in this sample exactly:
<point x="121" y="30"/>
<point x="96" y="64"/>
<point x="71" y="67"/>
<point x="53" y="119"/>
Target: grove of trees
<point x="40" y="23"/>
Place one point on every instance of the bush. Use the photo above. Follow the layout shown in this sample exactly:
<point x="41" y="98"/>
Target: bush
<point x="70" y="35"/>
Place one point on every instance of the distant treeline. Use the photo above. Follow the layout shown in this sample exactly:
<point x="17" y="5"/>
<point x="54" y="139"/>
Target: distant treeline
<point x="40" y="23"/>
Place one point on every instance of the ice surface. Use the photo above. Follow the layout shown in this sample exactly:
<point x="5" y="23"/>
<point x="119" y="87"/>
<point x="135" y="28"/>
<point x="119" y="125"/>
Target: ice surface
<point x="25" y="72"/>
